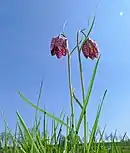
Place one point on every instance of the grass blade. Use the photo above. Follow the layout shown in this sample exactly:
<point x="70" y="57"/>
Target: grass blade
<point x="86" y="36"/>
<point x="29" y="137"/>
<point x="95" y="123"/>
<point x="43" y="111"/>
<point x="38" y="101"/>
<point x="77" y="101"/>
<point x="87" y="96"/>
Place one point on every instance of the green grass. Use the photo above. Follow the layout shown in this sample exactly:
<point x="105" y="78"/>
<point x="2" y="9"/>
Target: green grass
<point x="34" y="140"/>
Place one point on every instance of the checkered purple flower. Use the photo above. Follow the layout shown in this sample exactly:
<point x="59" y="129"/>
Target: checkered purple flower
<point x="90" y="49"/>
<point x="59" y="46"/>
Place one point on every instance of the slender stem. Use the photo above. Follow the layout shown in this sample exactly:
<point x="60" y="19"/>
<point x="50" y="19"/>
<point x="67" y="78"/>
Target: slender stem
<point x="67" y="133"/>
<point x="75" y="47"/>
<point x="71" y="94"/>
<point x="71" y="103"/>
<point x="80" y="67"/>
<point x="70" y="87"/>
<point x="83" y="93"/>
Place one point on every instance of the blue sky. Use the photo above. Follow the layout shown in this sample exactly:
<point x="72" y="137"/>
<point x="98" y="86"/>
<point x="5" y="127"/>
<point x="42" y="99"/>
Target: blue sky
<point x="26" y="28"/>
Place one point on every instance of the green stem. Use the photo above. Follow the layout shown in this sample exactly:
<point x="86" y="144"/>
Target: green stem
<point x="67" y="133"/>
<point x="83" y="93"/>
<point x="71" y="103"/>
<point x="71" y="94"/>
<point x="70" y="87"/>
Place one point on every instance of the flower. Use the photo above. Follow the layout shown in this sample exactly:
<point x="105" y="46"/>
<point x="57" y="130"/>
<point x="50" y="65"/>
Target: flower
<point x="59" y="46"/>
<point x="90" y="49"/>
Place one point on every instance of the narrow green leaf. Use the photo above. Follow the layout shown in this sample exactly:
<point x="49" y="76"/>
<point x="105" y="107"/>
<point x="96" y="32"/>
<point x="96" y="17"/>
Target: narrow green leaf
<point x="95" y="123"/>
<point x="39" y="143"/>
<point x="86" y="36"/>
<point x="77" y="101"/>
<point x="38" y="101"/>
<point x="99" y="143"/>
<point x="87" y="96"/>
<point x="43" y="111"/>
<point x="57" y="125"/>
<point x="27" y="132"/>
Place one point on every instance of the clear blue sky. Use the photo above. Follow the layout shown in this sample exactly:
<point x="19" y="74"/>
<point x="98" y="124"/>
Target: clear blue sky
<point x="26" y="28"/>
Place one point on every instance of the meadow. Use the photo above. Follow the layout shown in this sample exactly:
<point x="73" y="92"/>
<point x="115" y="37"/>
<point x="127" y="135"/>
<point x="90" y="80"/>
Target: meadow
<point x="33" y="140"/>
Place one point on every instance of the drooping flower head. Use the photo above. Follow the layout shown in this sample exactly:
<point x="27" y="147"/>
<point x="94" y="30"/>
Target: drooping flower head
<point x="90" y="49"/>
<point x="59" y="46"/>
